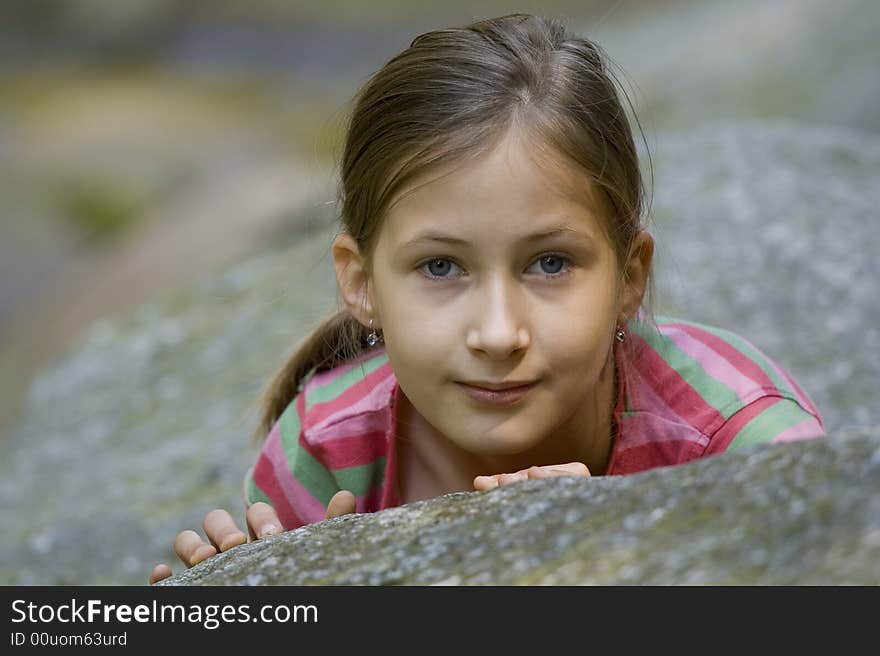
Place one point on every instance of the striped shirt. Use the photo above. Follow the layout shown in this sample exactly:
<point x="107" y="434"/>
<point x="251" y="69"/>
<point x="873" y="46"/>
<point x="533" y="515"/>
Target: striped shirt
<point x="685" y="391"/>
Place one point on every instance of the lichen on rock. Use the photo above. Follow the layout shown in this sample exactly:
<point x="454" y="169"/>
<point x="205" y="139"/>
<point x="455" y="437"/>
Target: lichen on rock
<point x="804" y="513"/>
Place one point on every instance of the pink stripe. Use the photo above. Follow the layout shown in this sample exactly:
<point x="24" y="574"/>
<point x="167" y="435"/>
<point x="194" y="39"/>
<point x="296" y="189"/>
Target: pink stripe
<point x="391" y="495"/>
<point x="807" y="429"/>
<point x="802" y="397"/>
<point x="749" y="367"/>
<point x="652" y="404"/>
<point x="727" y="433"/>
<point x="676" y="391"/>
<point x="722" y="362"/>
<point x="641" y="428"/>
<point x="653" y="454"/>
<point x="744" y="366"/>
<point x="265" y="479"/>
<point x="326" y="377"/>
<point x="352" y="450"/>
<point x="649" y="436"/>
<point x="372" y="501"/>
<point x="368" y="394"/>
<point x="308" y="508"/>
<point x="358" y="424"/>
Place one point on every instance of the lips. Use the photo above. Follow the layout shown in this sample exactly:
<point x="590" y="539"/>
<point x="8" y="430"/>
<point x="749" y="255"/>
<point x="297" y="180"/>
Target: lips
<point x="495" y="387"/>
<point x="504" y="396"/>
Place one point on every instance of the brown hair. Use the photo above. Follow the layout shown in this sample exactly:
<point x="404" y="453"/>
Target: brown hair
<point x="448" y="97"/>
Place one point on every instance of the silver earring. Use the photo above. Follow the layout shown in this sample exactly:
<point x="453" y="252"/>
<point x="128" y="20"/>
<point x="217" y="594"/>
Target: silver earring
<point x="620" y="335"/>
<point x="373" y="338"/>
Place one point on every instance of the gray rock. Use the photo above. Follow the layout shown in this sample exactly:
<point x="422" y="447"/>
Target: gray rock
<point x="799" y="513"/>
<point x="689" y="64"/>
<point x="145" y="425"/>
<point x="770" y="230"/>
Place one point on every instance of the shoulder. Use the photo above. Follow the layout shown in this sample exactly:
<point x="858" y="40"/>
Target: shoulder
<point x="720" y="368"/>
<point x="329" y="400"/>
<point x="362" y="386"/>
<point x="331" y="436"/>
<point x="693" y="388"/>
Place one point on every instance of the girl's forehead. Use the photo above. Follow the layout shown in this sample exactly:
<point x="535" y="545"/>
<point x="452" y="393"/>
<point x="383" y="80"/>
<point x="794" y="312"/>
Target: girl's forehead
<point x="510" y="187"/>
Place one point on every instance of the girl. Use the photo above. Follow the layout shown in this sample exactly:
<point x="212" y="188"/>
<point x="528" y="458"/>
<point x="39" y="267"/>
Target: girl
<point x="493" y="265"/>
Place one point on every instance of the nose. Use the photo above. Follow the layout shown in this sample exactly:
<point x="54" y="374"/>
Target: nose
<point x="500" y="326"/>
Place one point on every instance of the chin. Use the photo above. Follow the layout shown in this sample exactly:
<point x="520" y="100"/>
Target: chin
<point x="498" y="446"/>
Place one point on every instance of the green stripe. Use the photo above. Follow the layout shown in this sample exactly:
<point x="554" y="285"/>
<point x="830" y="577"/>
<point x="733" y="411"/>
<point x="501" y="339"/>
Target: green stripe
<point x="313" y="476"/>
<point x="770" y="423"/>
<point x="305" y="469"/>
<point x="713" y="391"/>
<point x="749" y="351"/>
<point x="289" y="426"/>
<point x="335" y="388"/>
<point x="253" y="493"/>
<point x="360" y="479"/>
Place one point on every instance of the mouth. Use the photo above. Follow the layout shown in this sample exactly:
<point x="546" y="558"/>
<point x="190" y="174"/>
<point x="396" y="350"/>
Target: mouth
<point x="499" y="387"/>
<point x="499" y="393"/>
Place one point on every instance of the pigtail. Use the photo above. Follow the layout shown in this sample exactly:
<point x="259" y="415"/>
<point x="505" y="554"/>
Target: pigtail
<point x="335" y="340"/>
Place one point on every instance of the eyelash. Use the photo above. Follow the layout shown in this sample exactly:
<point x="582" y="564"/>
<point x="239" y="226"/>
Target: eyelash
<point x="548" y="276"/>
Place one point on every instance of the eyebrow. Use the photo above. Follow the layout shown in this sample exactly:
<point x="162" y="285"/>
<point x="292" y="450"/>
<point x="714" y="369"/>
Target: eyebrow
<point x="431" y="236"/>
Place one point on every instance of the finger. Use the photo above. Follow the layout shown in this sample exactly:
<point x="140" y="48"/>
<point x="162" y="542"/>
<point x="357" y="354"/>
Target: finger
<point x="222" y="530"/>
<point x="342" y="503"/>
<point x="507" y="479"/>
<point x="160" y="572"/>
<point x="553" y="471"/>
<point x="191" y="549"/>
<point x="573" y="468"/>
<point x="482" y="483"/>
<point x="262" y="520"/>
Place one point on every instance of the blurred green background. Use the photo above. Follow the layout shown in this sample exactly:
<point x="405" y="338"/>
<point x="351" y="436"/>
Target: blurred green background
<point x="144" y="143"/>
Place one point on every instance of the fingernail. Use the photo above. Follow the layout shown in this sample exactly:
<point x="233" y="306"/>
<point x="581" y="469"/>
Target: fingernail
<point x="232" y="540"/>
<point x="268" y="529"/>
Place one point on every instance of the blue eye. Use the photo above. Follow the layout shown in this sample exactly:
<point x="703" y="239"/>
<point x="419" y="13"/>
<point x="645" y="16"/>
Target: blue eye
<point x="552" y="262"/>
<point x="438" y="268"/>
<point x="552" y="265"/>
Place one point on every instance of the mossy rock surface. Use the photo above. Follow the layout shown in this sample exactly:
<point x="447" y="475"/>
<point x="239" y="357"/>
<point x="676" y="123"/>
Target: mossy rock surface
<point x="794" y="514"/>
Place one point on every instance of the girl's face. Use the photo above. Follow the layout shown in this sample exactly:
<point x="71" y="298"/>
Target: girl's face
<point x="493" y="273"/>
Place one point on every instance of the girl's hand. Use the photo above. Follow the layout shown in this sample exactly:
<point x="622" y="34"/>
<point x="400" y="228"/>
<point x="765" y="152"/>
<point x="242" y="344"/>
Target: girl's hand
<point x="223" y="533"/>
<point x="547" y="471"/>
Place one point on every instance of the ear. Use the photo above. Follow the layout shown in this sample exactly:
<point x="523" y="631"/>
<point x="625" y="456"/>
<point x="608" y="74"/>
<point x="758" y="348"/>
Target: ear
<point x="636" y="271"/>
<point x="353" y="279"/>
